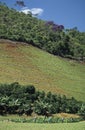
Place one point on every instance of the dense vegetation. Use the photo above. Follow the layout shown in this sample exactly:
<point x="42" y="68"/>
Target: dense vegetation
<point x="18" y="99"/>
<point x="46" y="35"/>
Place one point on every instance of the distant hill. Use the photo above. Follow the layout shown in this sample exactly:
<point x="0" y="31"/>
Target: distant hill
<point x="23" y="63"/>
<point x="47" y="35"/>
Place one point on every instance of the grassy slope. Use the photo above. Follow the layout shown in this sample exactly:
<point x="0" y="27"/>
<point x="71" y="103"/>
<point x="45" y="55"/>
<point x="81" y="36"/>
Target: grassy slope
<point x="31" y="126"/>
<point x="30" y="65"/>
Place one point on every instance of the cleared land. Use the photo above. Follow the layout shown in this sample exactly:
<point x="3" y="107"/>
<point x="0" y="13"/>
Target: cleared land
<point x="29" y="65"/>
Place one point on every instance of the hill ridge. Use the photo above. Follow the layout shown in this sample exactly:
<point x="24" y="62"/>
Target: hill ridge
<point x="47" y="35"/>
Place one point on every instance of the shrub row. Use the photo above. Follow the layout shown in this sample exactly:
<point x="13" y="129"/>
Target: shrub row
<point x="20" y="99"/>
<point x="47" y="120"/>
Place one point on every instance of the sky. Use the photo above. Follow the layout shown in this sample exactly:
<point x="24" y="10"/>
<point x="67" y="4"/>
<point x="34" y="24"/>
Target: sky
<point x="70" y="13"/>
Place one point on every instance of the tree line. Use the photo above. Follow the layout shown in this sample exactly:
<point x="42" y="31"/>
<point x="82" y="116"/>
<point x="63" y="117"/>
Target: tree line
<point x="25" y="99"/>
<point x="47" y="35"/>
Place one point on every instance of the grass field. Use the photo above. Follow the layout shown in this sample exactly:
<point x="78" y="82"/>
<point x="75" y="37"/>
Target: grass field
<point x="32" y="126"/>
<point x="29" y="65"/>
<point x="8" y="125"/>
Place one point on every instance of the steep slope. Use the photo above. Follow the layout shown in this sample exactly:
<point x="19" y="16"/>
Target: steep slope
<point x="47" y="35"/>
<point x="29" y="65"/>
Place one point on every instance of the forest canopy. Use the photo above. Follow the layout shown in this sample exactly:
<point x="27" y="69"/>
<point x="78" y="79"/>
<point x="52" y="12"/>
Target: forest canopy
<point x="47" y="35"/>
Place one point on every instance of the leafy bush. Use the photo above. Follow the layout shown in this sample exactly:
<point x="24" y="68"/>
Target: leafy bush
<point x="18" y="99"/>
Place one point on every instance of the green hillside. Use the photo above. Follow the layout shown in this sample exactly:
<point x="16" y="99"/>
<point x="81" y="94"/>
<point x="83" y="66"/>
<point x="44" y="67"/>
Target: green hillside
<point x="29" y="65"/>
<point x="47" y="35"/>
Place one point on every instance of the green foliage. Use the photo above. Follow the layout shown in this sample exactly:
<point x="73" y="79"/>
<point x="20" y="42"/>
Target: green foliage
<point x="18" y="99"/>
<point x="30" y="89"/>
<point x="47" y="120"/>
<point x="42" y="107"/>
<point x="46" y="35"/>
<point x="82" y="110"/>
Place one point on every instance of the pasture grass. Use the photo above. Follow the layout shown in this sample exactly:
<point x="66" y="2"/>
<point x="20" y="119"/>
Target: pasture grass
<point x="29" y="65"/>
<point x="36" y="126"/>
